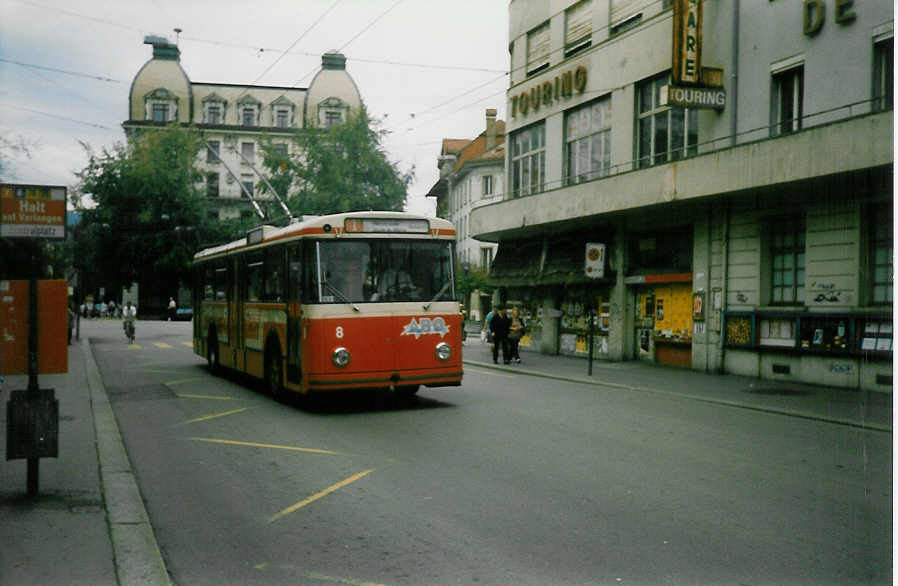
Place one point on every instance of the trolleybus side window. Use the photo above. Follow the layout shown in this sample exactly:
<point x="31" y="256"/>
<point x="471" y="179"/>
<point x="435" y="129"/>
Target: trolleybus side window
<point x="273" y="289"/>
<point x="294" y="272"/>
<point x="254" y="277"/>
<point x="220" y="282"/>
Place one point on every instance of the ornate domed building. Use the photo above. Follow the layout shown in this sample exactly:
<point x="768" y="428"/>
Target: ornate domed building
<point x="234" y="118"/>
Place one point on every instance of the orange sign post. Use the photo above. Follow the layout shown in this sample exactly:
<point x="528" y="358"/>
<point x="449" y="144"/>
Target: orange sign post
<point x="33" y="336"/>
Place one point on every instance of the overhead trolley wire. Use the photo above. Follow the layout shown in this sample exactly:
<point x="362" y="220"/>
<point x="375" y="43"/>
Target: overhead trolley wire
<point x="55" y="70"/>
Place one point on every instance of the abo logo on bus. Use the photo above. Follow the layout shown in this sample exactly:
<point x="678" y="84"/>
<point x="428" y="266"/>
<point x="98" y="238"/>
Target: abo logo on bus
<point x="426" y="326"/>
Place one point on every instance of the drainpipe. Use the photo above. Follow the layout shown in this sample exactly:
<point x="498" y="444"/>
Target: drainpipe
<point x="734" y="76"/>
<point x="726" y="265"/>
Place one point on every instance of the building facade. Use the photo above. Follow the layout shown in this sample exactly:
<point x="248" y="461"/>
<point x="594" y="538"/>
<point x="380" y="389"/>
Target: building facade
<point x="729" y="168"/>
<point x="472" y="174"/>
<point x="235" y="119"/>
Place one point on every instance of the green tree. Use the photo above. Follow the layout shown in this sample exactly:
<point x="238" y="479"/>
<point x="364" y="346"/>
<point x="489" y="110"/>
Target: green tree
<point x="143" y="214"/>
<point x="467" y="282"/>
<point x="339" y="169"/>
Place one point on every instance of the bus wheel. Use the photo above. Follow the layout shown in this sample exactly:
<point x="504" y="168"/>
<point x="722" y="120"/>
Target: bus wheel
<point x="406" y="391"/>
<point x="274" y="373"/>
<point x="212" y="354"/>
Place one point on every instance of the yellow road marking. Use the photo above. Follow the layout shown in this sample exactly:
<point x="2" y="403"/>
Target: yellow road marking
<point x="257" y="445"/>
<point x="215" y="416"/>
<point x="188" y="344"/>
<point x="133" y="346"/>
<point x="318" y="495"/>
<point x="182" y="380"/>
<point x="217" y="397"/>
<point x="350" y="581"/>
<point x="161" y="345"/>
<point x="156" y="371"/>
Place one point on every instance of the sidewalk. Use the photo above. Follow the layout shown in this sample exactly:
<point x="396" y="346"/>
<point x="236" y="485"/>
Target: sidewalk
<point x="88" y="524"/>
<point x="867" y="410"/>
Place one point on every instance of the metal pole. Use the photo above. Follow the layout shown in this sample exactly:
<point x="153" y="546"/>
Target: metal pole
<point x="592" y="315"/>
<point x="33" y="386"/>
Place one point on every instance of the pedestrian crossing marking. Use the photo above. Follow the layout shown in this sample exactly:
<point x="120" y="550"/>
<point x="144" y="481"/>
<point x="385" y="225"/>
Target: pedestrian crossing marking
<point x="161" y="345"/>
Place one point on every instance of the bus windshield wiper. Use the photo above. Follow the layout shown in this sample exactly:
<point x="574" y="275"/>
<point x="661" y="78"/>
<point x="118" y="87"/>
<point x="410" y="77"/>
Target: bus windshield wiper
<point x="437" y="296"/>
<point x="341" y="295"/>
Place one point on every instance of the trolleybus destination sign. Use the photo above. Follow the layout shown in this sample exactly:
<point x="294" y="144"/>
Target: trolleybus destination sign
<point x="32" y="211"/>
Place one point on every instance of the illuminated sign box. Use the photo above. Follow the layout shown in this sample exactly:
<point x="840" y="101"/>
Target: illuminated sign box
<point x="32" y="211"/>
<point x="693" y="97"/>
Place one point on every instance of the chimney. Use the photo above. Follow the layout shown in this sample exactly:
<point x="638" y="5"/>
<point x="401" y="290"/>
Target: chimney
<point x="490" y="128"/>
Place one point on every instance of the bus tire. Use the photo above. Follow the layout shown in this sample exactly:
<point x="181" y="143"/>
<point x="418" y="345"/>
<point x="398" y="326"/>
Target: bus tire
<point x="406" y="391"/>
<point x="212" y="357"/>
<point x="274" y="371"/>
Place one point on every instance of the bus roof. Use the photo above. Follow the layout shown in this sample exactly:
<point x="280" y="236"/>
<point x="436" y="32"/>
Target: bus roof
<point x="334" y="225"/>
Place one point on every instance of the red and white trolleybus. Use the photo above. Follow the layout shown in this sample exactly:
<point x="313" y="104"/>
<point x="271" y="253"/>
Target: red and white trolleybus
<point x="345" y="301"/>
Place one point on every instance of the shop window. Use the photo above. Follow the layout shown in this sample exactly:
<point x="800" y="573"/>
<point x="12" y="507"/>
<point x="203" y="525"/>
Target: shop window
<point x="578" y="27"/>
<point x="787" y="255"/>
<point x="663" y="133"/>
<point x="538" y="49"/>
<point x="776" y="331"/>
<point x="786" y="101"/>
<point x="876" y="336"/>
<point x="528" y="160"/>
<point x="825" y="334"/>
<point x="588" y="141"/>
<point x="883" y="74"/>
<point x="881" y="249"/>
<point x="212" y="185"/>
<point x="739" y="330"/>
<point x="212" y="151"/>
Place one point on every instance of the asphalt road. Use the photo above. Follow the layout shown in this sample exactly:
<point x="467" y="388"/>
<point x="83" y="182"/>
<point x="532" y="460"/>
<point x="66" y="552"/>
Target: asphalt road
<point x="509" y="479"/>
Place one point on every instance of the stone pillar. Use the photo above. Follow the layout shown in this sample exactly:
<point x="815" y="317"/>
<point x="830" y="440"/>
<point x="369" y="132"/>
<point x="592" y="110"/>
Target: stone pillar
<point x="548" y="343"/>
<point x="620" y="331"/>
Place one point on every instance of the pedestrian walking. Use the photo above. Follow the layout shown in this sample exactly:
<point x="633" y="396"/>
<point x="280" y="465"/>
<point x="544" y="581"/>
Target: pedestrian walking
<point x="499" y="326"/>
<point x="516" y="330"/>
<point x="172" y="309"/>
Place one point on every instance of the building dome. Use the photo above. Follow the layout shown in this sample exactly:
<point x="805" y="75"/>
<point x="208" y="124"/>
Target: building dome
<point x="161" y="82"/>
<point x="332" y="93"/>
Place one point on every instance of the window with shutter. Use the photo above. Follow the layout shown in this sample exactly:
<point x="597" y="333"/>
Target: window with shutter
<point x="622" y="10"/>
<point x="578" y="27"/>
<point x="538" y="45"/>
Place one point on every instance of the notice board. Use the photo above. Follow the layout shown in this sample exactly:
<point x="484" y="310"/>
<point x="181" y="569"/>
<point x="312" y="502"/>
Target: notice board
<point x="52" y="320"/>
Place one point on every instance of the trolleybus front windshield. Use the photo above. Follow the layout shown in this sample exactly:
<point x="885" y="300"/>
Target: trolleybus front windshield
<point x="380" y="270"/>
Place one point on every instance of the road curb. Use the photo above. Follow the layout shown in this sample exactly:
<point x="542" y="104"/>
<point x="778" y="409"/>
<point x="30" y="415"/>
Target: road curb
<point x="137" y="556"/>
<point x="716" y="401"/>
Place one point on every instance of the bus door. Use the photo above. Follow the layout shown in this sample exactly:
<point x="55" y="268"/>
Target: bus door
<point x="294" y="314"/>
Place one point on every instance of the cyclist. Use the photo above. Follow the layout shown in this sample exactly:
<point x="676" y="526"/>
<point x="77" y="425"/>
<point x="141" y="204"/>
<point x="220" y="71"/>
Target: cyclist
<point x="129" y="316"/>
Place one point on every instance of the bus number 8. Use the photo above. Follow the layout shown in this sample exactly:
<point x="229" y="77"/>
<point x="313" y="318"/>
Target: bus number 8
<point x="339" y="332"/>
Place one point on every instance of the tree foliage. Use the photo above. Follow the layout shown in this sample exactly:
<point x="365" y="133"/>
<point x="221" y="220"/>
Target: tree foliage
<point x="147" y="218"/>
<point x="339" y="169"/>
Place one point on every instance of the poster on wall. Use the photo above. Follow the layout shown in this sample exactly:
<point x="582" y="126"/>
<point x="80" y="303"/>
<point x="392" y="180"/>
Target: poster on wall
<point x="698" y="306"/>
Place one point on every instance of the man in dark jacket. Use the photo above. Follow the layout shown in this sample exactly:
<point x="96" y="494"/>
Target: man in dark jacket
<point x="500" y="325"/>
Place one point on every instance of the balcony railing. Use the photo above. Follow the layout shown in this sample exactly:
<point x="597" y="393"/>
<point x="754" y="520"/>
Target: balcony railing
<point x="761" y="133"/>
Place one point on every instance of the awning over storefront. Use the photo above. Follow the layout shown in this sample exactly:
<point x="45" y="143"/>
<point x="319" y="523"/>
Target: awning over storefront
<point x="547" y="261"/>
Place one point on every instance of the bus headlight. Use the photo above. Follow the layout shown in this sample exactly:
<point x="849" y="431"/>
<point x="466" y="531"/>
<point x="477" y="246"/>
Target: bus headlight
<point x="340" y="357"/>
<point x="443" y="351"/>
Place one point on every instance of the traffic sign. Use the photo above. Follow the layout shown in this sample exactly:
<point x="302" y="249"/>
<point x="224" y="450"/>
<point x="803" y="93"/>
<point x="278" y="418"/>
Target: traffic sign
<point x="32" y="211"/>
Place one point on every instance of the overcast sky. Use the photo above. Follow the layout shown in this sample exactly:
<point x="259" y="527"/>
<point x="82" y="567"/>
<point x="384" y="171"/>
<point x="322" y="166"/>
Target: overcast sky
<point x="427" y="68"/>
